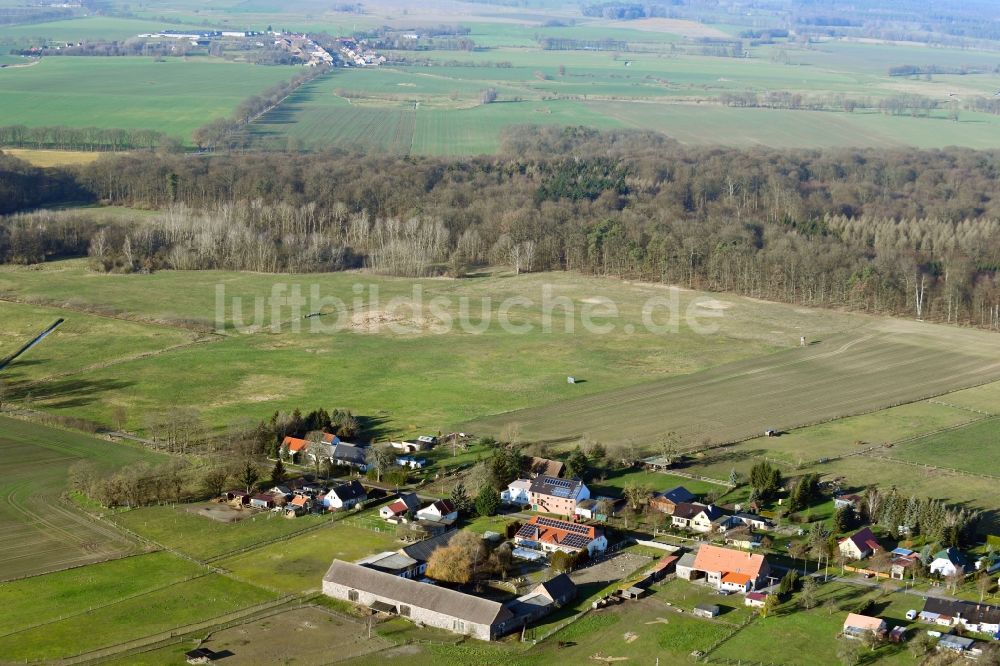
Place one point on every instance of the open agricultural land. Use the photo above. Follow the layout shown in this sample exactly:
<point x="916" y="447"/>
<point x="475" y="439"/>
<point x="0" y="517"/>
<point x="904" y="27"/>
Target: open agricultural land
<point x="43" y="530"/>
<point x="173" y="96"/>
<point x="257" y="372"/>
<point x="548" y="66"/>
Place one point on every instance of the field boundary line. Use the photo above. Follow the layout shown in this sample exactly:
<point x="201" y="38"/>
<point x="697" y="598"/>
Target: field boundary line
<point x="949" y="470"/>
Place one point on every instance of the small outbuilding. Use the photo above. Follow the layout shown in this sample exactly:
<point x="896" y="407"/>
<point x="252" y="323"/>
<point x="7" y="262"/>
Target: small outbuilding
<point x="706" y="610"/>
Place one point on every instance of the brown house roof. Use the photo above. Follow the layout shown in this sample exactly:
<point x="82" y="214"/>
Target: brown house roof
<point x="422" y="595"/>
<point x="544" y="467"/>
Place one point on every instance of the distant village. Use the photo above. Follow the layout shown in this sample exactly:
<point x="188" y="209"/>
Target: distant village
<point x="558" y="528"/>
<point x="346" y="51"/>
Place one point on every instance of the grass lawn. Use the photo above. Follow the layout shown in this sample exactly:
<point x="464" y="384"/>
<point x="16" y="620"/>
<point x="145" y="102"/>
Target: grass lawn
<point x="298" y="564"/>
<point x="971" y="448"/>
<point x="158" y="611"/>
<point x="840" y="437"/>
<point x="203" y="538"/>
<point x="42" y="599"/>
<point x="42" y="532"/>
<point x="615" y="481"/>
<point x="792" y="633"/>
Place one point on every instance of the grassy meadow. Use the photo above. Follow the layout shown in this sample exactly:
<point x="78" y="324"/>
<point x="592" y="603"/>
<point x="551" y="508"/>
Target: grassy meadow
<point x="401" y="367"/>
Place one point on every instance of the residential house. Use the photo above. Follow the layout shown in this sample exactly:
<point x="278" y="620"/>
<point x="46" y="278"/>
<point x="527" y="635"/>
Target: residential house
<point x="349" y="455"/>
<point x="406" y="503"/>
<point x="668" y="500"/>
<point x="980" y="618"/>
<point x="559" y="496"/>
<point x="299" y="505"/>
<point x="536" y="466"/>
<point x="755" y="599"/>
<point x="859" y="545"/>
<point x="440" y="510"/>
<point x="262" y="501"/>
<point x="331" y="439"/>
<point x="726" y="569"/>
<point x="743" y="539"/>
<point x="551" y="535"/>
<point x="281" y="492"/>
<point x="751" y="520"/>
<point x="947" y="562"/>
<point x="853" y="501"/>
<point x="346" y="495"/>
<point x="903" y="562"/>
<point x="295" y="447"/>
<point x="697" y="517"/>
<point x="856" y="626"/>
<point x="430" y="605"/>
<point x="411" y="462"/>
<point x="517" y="492"/>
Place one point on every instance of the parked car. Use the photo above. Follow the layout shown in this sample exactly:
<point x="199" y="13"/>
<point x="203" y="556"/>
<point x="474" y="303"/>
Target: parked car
<point x="911" y="614"/>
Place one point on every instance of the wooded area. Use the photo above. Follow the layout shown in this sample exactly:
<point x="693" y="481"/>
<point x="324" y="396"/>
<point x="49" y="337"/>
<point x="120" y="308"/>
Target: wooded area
<point x="907" y="232"/>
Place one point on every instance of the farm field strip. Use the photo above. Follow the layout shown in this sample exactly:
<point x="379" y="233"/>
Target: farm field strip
<point x="841" y="376"/>
<point x="175" y="96"/>
<point x="46" y="533"/>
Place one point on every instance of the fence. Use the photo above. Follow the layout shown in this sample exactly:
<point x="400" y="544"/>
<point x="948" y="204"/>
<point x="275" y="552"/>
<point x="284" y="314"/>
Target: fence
<point x="170" y="637"/>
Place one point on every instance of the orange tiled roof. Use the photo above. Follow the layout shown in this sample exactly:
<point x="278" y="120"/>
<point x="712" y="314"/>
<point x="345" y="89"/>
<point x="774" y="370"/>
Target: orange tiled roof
<point x="294" y="444"/>
<point x="714" y="558"/>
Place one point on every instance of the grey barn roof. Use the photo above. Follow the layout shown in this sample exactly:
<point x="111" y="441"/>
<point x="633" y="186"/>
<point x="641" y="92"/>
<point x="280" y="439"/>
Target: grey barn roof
<point x="422" y="595"/>
<point x="559" y="588"/>
<point x="421" y="551"/>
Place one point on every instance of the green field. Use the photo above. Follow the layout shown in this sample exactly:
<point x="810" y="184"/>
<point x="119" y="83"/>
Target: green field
<point x="80" y="29"/>
<point x="412" y="379"/>
<point x="158" y="610"/>
<point x="298" y="564"/>
<point x="971" y="448"/>
<point x="174" y="96"/>
<point x="202" y="538"/>
<point x="882" y="364"/>
<point x="42" y="531"/>
<point x="84" y="341"/>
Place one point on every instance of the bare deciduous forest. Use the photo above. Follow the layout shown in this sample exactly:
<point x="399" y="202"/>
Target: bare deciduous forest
<point x="906" y="232"/>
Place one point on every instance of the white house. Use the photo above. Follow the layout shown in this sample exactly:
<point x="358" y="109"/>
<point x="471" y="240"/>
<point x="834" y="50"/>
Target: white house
<point x="406" y="503"/>
<point x="859" y="545"/>
<point x="517" y="492"/>
<point x="442" y="510"/>
<point x="550" y="535"/>
<point x="948" y="562"/>
<point x="345" y="495"/>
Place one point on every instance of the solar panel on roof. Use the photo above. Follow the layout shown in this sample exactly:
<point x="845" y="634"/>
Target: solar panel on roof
<point x="576" y="541"/>
<point x="562" y="525"/>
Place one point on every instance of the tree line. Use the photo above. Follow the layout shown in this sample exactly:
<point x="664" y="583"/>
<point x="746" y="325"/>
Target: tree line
<point x="893" y="231"/>
<point x="85" y="138"/>
<point x="233" y="133"/>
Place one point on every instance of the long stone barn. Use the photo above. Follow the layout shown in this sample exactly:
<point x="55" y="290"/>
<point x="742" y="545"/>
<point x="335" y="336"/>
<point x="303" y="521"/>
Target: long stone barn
<point x="420" y="602"/>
